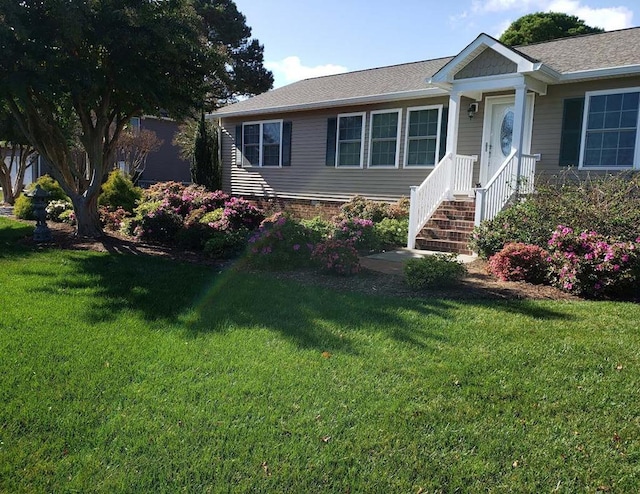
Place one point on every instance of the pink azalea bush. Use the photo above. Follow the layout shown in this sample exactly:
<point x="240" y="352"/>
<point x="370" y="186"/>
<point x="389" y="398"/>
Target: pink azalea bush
<point x="112" y="219"/>
<point x="337" y="256"/>
<point x="520" y="262"/>
<point x="360" y="232"/>
<point x="280" y="241"/>
<point x="592" y="265"/>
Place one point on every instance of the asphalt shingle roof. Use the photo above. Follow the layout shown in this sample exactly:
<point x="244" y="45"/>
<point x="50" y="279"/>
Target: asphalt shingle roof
<point x="580" y="53"/>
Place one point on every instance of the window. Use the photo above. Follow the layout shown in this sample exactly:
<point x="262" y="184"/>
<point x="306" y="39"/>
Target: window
<point x="262" y="143"/>
<point x="610" y="129"/>
<point x="350" y="139"/>
<point x="383" y="138"/>
<point x="423" y="136"/>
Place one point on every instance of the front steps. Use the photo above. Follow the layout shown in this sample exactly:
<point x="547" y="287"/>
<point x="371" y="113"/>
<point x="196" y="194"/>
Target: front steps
<point x="449" y="229"/>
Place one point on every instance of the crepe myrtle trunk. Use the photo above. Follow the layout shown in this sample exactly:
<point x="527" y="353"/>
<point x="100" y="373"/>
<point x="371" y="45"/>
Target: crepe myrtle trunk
<point x="87" y="217"/>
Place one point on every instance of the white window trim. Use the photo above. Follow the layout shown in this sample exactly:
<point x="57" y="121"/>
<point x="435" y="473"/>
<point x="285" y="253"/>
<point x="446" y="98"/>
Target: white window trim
<point x="362" y="136"/>
<point x="260" y="160"/>
<point x="583" y="137"/>
<point x="406" y="138"/>
<point x="396" y="162"/>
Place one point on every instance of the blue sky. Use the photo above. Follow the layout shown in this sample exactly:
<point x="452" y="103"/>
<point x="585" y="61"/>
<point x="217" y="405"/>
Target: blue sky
<point x="308" y="38"/>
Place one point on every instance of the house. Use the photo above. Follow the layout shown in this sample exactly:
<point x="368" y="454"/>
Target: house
<point x="459" y="135"/>
<point x="165" y="164"/>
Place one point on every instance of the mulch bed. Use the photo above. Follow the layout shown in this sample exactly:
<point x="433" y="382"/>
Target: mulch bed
<point x="478" y="284"/>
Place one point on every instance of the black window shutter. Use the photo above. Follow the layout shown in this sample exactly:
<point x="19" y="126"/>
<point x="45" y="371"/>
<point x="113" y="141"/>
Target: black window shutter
<point x="443" y="133"/>
<point x="571" y="131"/>
<point x="286" y="143"/>
<point x="332" y="129"/>
<point x="239" y="145"/>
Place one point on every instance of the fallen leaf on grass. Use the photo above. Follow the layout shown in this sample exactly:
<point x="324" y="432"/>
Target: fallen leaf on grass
<point x="326" y="355"/>
<point x="265" y="467"/>
<point x="619" y="367"/>
<point x="325" y="439"/>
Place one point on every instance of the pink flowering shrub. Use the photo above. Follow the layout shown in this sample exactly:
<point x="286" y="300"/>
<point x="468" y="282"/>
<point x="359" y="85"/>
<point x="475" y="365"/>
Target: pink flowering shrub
<point x="520" y="262"/>
<point x="592" y="265"/>
<point x="280" y="241"/>
<point x="337" y="256"/>
<point x="112" y="220"/>
<point x="361" y="233"/>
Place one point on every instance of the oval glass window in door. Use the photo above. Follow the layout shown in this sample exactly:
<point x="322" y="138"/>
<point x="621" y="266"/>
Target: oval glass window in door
<point x="506" y="132"/>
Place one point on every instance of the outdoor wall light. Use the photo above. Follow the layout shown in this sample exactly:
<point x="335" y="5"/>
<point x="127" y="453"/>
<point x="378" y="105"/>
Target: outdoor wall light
<point x="473" y="109"/>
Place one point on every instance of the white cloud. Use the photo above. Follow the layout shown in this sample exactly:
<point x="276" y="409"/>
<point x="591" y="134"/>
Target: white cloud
<point x="291" y="70"/>
<point x="608" y="18"/>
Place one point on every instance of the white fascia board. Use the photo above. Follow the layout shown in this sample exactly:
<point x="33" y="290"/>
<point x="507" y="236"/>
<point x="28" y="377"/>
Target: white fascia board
<point x="600" y="73"/>
<point x="358" y="100"/>
<point x="489" y="83"/>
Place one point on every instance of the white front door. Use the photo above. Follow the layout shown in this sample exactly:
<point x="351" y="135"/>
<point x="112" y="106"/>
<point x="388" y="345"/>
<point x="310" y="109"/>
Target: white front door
<point x="497" y="136"/>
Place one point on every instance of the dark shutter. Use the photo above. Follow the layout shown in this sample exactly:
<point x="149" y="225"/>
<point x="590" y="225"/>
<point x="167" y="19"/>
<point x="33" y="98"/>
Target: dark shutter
<point x="443" y="134"/>
<point x="571" y="131"/>
<point x="286" y="143"/>
<point x="239" y="145"/>
<point x="332" y="129"/>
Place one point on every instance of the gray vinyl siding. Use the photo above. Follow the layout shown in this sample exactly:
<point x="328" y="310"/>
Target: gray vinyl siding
<point x="489" y="62"/>
<point x="308" y="176"/>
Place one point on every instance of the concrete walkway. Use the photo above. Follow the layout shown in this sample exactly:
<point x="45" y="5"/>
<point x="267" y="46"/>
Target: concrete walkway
<point x="392" y="262"/>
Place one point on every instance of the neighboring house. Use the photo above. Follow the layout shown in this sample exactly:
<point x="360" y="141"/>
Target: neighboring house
<point x="479" y="124"/>
<point x="164" y="164"/>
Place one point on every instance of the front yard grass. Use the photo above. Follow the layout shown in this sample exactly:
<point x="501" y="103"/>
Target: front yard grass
<point x="125" y="373"/>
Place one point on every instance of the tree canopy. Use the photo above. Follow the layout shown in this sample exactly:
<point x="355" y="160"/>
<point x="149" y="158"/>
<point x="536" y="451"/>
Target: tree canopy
<point x="545" y="26"/>
<point x="74" y="73"/>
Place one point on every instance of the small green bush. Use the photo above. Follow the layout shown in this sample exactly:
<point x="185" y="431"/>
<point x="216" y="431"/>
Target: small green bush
<point x="119" y="192"/>
<point x="23" y="207"/>
<point x="226" y="244"/>
<point x="392" y="232"/>
<point x="318" y="228"/>
<point x="433" y="271"/>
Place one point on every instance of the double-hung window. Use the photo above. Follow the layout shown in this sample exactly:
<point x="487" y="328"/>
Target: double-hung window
<point x="383" y="138"/>
<point x="262" y="143"/>
<point x="350" y="139"/>
<point x="422" y="146"/>
<point x="610" y="129"/>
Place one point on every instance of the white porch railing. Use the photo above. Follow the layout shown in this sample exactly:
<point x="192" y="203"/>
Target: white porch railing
<point x="447" y="178"/>
<point x="504" y="184"/>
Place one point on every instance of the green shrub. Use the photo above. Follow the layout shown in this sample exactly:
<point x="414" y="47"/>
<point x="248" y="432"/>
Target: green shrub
<point x="609" y="204"/>
<point x="119" y="192"/>
<point x="318" y="228"/>
<point x="433" y="271"/>
<point x="68" y="216"/>
<point x="23" y="207"/>
<point x="226" y="244"/>
<point x="392" y="232"/>
<point x="359" y="232"/>
<point x="361" y="208"/>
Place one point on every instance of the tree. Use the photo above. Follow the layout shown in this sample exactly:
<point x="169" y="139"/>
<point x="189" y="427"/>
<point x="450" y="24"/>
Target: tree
<point x="133" y="149"/>
<point x="244" y="73"/>
<point x="545" y="26"/>
<point x="15" y="156"/>
<point x="205" y="168"/>
<point x="85" y="68"/>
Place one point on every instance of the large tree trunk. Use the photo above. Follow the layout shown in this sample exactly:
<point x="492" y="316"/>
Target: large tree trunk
<point x="87" y="216"/>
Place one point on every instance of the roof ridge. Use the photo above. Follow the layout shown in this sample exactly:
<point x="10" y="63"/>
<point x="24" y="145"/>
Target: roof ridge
<point x="575" y="37"/>
<point x="369" y="69"/>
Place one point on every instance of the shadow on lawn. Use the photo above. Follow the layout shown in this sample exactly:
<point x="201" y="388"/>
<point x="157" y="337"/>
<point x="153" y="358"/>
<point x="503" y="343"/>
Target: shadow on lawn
<point x="203" y="299"/>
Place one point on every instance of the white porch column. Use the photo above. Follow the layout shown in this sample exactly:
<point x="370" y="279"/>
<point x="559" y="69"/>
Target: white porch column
<point x="452" y="138"/>
<point x="519" y="113"/>
<point x="453" y="123"/>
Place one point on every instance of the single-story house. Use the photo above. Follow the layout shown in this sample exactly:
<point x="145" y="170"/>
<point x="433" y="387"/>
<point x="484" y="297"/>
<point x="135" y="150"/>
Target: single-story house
<point x="458" y="135"/>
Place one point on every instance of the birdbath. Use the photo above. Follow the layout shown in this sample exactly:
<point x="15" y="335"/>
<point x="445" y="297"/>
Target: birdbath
<point x="41" y="233"/>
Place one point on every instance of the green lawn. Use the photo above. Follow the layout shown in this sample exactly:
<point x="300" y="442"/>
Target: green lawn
<point x="125" y="373"/>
